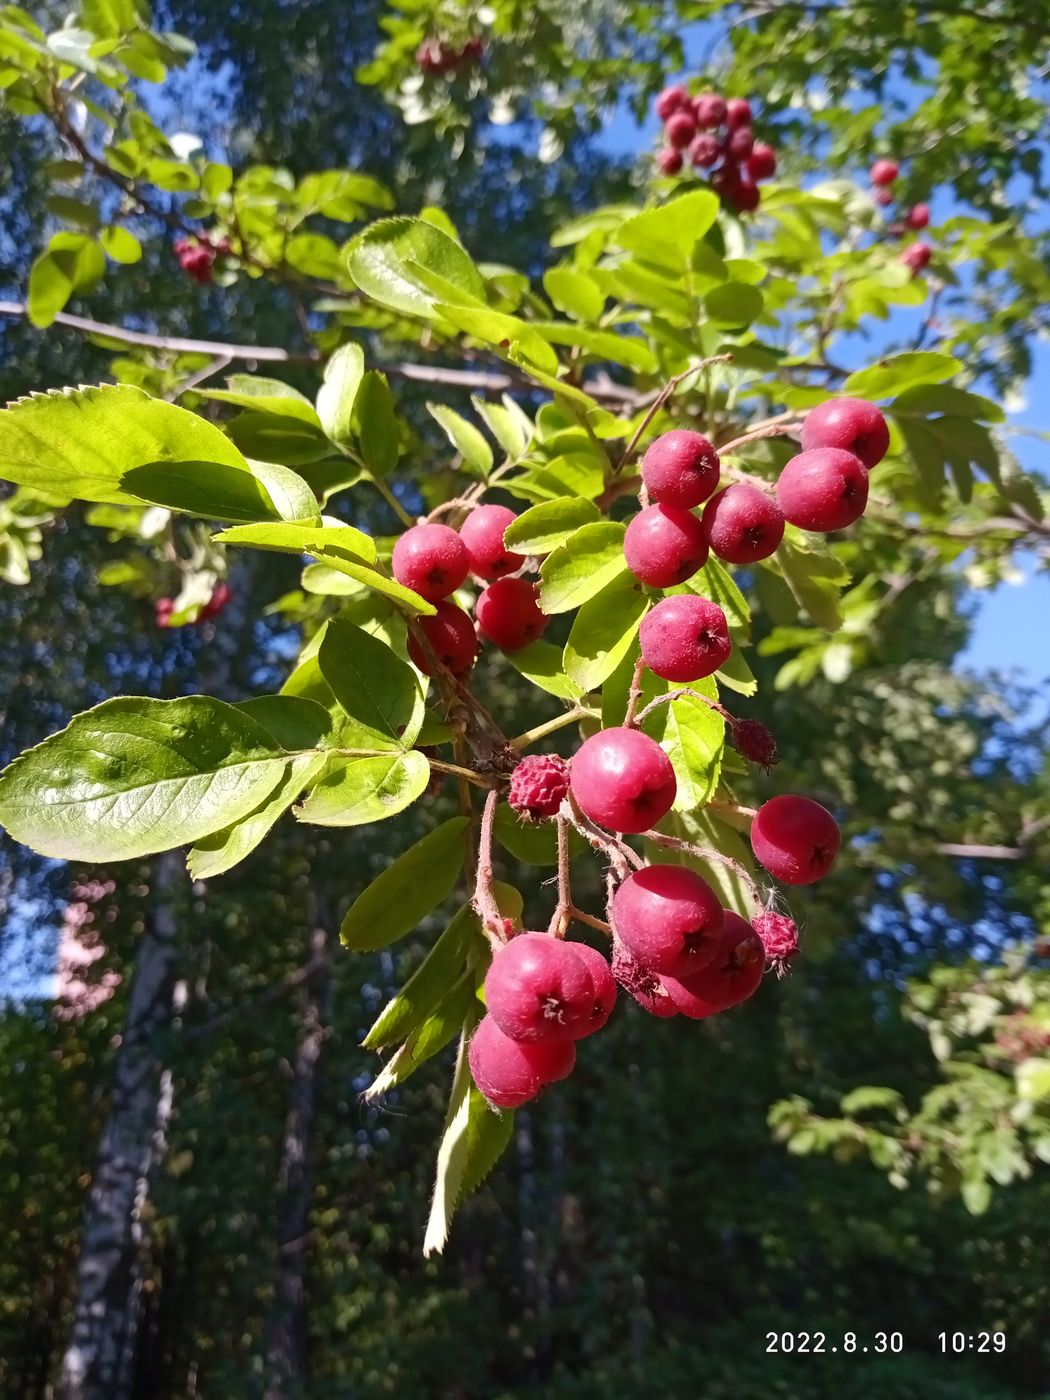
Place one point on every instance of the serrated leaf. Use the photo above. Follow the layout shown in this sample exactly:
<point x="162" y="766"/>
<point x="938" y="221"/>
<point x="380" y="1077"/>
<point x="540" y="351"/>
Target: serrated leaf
<point x="377" y="582"/>
<point x="507" y="423"/>
<point x="431" y="984"/>
<point x="296" y="722"/>
<point x="338" y="393"/>
<point x="442" y="1025"/>
<point x="266" y="395"/>
<point x="465" y="438"/>
<point x="222" y="850"/>
<point x="582" y="566"/>
<point x="215" y="491"/>
<point x="603" y="632"/>
<point x="407" y="891"/>
<point x="896" y="373"/>
<point x="384" y="261"/>
<point x="670" y="232"/>
<point x="357" y="791"/>
<point x="378" y="691"/>
<point x="714" y="582"/>
<point x="542" y="528"/>
<point x="290" y="537"/>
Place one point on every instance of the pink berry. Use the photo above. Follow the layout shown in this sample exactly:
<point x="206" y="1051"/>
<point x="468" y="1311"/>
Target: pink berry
<point x="762" y="162"/>
<point x="726" y="181"/>
<point x="779" y="936"/>
<point x="883" y="198"/>
<point x="639" y="983"/>
<point x="738" y="113"/>
<point x="669" y="160"/>
<point x="680" y="128"/>
<point x="852" y="424"/>
<point x="604" y="989"/>
<point x="452" y="638"/>
<point x="623" y="780"/>
<point x="823" y="489"/>
<point x="884" y="172"/>
<point x="482" y="534"/>
<point x="680" y="468"/>
<point x="742" y="524"/>
<point x="917" y="256"/>
<point x="918" y="216"/>
<point x="755" y="742"/>
<point x="664" y="545"/>
<point x="732" y="975"/>
<point x="509" y="614"/>
<point x="671" y="100"/>
<point x="510" y="1073"/>
<point x="432" y="560"/>
<point x="538" y="989"/>
<point x="746" y="195"/>
<point x="709" y="110"/>
<point x="685" y="638"/>
<point x="705" y="150"/>
<point x="538" y="785"/>
<point x="668" y="918"/>
<point x="795" y="838"/>
<point x="741" y="143"/>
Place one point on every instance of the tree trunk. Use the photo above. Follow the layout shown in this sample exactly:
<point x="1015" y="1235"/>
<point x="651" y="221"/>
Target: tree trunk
<point x="286" y="1331"/>
<point x="98" y="1361"/>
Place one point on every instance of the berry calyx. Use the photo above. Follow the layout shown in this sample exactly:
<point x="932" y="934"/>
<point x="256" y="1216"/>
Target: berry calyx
<point x="538" y="989"/>
<point x="672" y="99"/>
<point x="664" y="545"/>
<point x="732" y="975"/>
<point x="738" y="113"/>
<point x="668" y="918"/>
<point x="742" y="524"/>
<point x="795" y="838"/>
<point x="430" y="559"/>
<point x="510" y="1073"/>
<point x="823" y="489"/>
<point x="779" y="936"/>
<point x="705" y="151"/>
<point x="755" y="742"/>
<point x="918" y="216"/>
<point x="680" y="128"/>
<point x="670" y="161"/>
<point x="852" y="424"/>
<point x="917" y="256"/>
<point x="680" y="468"/>
<point x="709" y="110"/>
<point x="482" y="534"/>
<point x="452" y="638"/>
<point x="762" y="162"/>
<point x="884" y="172"/>
<point x="640" y="984"/>
<point x="538" y="786"/>
<point x="604" y="989"/>
<point x="685" y="638"/>
<point x="509" y="614"/>
<point x="623" y="780"/>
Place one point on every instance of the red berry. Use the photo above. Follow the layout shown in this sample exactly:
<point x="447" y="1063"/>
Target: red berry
<point x="664" y="545"/>
<point x="671" y="100"/>
<point x="705" y="150"/>
<point x="162" y="611"/>
<point x="726" y="181"/>
<point x="823" y="489"/>
<point x="452" y="638"/>
<point x="746" y="195"/>
<point x="482" y="534"/>
<point x="883" y="198"/>
<point x="639" y="983"/>
<point x="432" y="560"/>
<point x="538" y="785"/>
<point x="852" y="424"/>
<point x="668" y="918"/>
<point x="779" y="936"/>
<point x="428" y="56"/>
<point x="509" y="615"/>
<point x="623" y="780"/>
<point x="215" y="604"/>
<point x="732" y="975"/>
<point x="680" y="128"/>
<point x="670" y="161"/>
<point x="604" y="989"/>
<point x="509" y="1073"/>
<point x="762" y="162"/>
<point x="680" y="468"/>
<point x="538" y="989"/>
<point x="685" y="638"/>
<point x="918" y="216"/>
<point x="795" y="838"/>
<point x="742" y="524"/>
<point x="709" y="110"/>
<point x="738" y="113"/>
<point x="884" y="172"/>
<point x="917" y="256"/>
<point x="741" y="143"/>
<point x="474" y="48"/>
<point x="755" y="742"/>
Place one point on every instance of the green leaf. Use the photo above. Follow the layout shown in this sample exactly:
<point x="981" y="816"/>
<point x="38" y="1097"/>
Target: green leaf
<point x="216" y="491"/>
<point x="670" y="232"/>
<point x="379" y="692"/>
<point x="693" y="737"/>
<point x="132" y="777"/>
<point x="294" y="721"/>
<point x="431" y="983"/>
<point x="80" y="442"/>
<point x="278" y="437"/>
<point x="377" y="582"/>
<point x="976" y="1193"/>
<point x="222" y="850"/>
<point x="442" y="1025"/>
<point x="60" y="272"/>
<point x="533" y="843"/>
<point x="924" y="399"/>
<point x="465" y="438"/>
<point x="266" y="395"/>
<point x="120" y="245"/>
<point x="814" y="577"/>
<point x="582" y="566"/>
<point x="896" y="373"/>
<point x="733" y="304"/>
<point x="714" y="582"/>
<point x="357" y="791"/>
<point x="544" y="527"/>
<point x="290" y="537"/>
<point x="603" y="345"/>
<point x="375" y="424"/>
<point x="407" y="891"/>
<point x="540" y="663"/>
<point x="514" y="337"/>
<point x="706" y="830"/>
<point x="1032" y="1077"/>
<point x="603" y="631"/>
<point x="508" y="424"/>
<point x="574" y="293"/>
<point x="338" y="393"/>
<point x="385" y="261"/>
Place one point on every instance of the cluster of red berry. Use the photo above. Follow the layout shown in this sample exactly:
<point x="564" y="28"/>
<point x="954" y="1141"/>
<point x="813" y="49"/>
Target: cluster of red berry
<point x="197" y="255"/>
<point x="438" y="58"/>
<point x="883" y="176"/>
<point x="715" y="134"/>
<point x="164" y="608"/>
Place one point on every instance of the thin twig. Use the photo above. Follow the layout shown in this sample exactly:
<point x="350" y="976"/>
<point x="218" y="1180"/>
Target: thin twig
<point x="658" y="403"/>
<point x="679" y="694"/>
<point x="484" y="900"/>
<point x="634" y="695"/>
<point x="791" y="421"/>
<point x="550" y="726"/>
<point x="673" y="843"/>
<point x="560" y="918"/>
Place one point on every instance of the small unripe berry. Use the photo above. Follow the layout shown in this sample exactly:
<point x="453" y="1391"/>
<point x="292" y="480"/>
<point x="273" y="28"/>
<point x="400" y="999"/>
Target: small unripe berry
<point x="732" y="975"/>
<point x="669" y="160"/>
<point x="741" y="143"/>
<point x="755" y="742"/>
<point x="538" y="785"/>
<point x="742" y="524"/>
<point x="917" y="256"/>
<point x="671" y="100"/>
<point x="604" y="989"/>
<point x="852" y="424"/>
<point x="738" y="113"/>
<point x="452" y="638"/>
<point x="664" y="545"/>
<point x="705" y="151"/>
<point x="538" y="989"/>
<point x="510" y="1073"/>
<point x="482" y="534"/>
<point x="680" y="128"/>
<point x="918" y="216"/>
<point x="709" y="109"/>
<point x="430" y="559"/>
<point x="509" y="614"/>
<point x="623" y="780"/>
<point x="884" y="172"/>
<point x="795" y="838"/>
<point x="639" y="983"/>
<point x="779" y="936"/>
<point x="762" y="162"/>
<point x="685" y="638"/>
<point x="680" y="468"/>
<point x="668" y="918"/>
<point x="883" y="198"/>
<point x="823" y="489"/>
